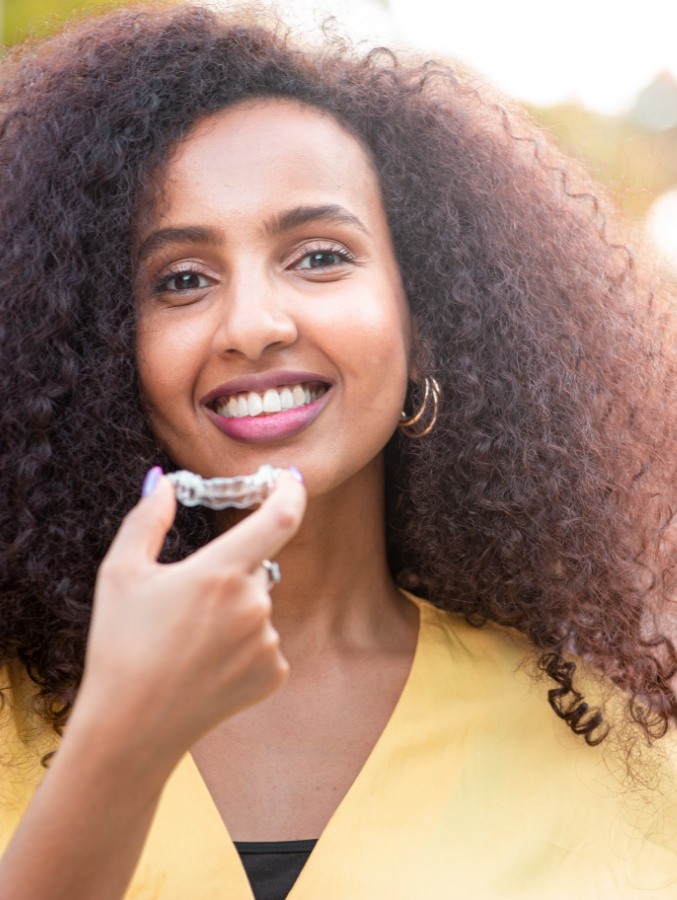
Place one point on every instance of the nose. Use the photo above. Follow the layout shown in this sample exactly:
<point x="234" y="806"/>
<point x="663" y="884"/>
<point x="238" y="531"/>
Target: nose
<point x="254" y="318"/>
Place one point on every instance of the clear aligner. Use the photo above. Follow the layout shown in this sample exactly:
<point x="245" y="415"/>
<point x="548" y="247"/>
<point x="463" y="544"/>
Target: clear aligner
<point x="222" y="493"/>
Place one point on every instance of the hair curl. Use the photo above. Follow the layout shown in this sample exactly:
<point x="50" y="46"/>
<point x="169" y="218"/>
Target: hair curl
<point x="543" y="498"/>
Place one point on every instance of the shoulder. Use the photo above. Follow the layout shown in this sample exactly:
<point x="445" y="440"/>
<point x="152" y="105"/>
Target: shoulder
<point x="479" y="656"/>
<point x="615" y="801"/>
<point x="492" y="674"/>
<point x="499" y="668"/>
<point x="22" y="729"/>
<point x="24" y="741"/>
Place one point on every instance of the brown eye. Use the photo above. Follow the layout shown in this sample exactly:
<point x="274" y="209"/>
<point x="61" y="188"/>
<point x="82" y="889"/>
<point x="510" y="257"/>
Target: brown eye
<point x="321" y="260"/>
<point x="183" y="281"/>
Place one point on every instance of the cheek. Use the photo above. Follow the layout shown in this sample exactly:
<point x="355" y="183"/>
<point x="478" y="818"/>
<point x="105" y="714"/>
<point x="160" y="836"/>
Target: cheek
<point x="151" y="355"/>
<point x="378" y="336"/>
<point x="165" y="357"/>
<point x="386" y="325"/>
<point x="164" y="376"/>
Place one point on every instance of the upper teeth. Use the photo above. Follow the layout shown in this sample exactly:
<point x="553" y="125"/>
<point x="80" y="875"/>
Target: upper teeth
<point x="271" y="401"/>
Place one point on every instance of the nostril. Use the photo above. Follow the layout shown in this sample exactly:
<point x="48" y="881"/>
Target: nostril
<point x="254" y="332"/>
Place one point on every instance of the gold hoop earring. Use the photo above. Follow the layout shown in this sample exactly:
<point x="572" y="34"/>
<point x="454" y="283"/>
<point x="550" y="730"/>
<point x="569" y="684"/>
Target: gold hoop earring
<point x="431" y="398"/>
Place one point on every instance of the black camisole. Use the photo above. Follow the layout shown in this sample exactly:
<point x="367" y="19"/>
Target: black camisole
<point x="273" y="866"/>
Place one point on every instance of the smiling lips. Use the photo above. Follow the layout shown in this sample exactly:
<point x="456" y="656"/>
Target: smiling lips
<point x="273" y="413"/>
<point x="273" y="400"/>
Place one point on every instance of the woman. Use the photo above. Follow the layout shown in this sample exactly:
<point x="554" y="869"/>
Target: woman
<point x="224" y="252"/>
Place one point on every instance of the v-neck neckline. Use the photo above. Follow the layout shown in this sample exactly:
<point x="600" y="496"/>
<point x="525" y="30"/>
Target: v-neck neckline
<point x="355" y="796"/>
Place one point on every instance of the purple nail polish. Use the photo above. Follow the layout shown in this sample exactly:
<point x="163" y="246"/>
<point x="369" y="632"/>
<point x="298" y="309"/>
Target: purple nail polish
<point x="150" y="481"/>
<point x="294" y="472"/>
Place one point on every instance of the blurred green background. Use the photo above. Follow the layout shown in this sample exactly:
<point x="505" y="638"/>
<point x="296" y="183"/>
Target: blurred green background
<point x="23" y="17"/>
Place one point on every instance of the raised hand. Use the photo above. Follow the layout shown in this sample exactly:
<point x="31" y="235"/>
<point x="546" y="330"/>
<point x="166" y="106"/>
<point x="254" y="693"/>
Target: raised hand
<point x="175" y="648"/>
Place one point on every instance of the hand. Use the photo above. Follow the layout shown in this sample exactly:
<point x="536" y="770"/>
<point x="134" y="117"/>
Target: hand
<point x="174" y="649"/>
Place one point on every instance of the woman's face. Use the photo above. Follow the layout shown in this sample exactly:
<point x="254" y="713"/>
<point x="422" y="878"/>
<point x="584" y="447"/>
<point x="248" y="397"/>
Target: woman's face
<point x="272" y="321"/>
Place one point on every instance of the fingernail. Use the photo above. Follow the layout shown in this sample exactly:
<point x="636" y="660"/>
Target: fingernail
<point x="150" y="481"/>
<point x="294" y="472"/>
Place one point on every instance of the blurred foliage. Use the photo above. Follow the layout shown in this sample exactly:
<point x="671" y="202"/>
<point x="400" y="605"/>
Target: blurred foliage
<point x="634" y="155"/>
<point x="22" y="18"/>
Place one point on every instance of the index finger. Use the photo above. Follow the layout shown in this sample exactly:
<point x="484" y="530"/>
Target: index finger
<point x="144" y="528"/>
<point x="266" y="531"/>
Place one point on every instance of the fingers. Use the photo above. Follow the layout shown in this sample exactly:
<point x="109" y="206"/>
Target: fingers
<point x="261" y="535"/>
<point x="199" y="628"/>
<point x="144" y="528"/>
<point x="265" y="532"/>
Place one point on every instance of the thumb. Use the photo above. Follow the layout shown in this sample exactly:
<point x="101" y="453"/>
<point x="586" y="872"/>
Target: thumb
<point x="143" y="530"/>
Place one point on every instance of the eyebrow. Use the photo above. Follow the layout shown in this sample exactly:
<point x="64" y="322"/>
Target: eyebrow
<point x="331" y="213"/>
<point x="293" y="218"/>
<point x="193" y="234"/>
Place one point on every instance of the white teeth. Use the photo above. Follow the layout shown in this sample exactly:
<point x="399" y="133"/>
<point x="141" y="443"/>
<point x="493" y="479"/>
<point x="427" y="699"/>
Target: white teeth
<point x="255" y="404"/>
<point x="286" y="399"/>
<point x="271" y="401"/>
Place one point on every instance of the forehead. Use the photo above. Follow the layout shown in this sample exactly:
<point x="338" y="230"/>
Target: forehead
<point x="270" y="148"/>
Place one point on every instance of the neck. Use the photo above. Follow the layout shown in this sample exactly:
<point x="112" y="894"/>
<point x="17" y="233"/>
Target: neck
<point x="336" y="591"/>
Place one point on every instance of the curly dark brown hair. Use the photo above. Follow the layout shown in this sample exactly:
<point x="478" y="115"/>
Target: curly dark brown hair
<point x="542" y="499"/>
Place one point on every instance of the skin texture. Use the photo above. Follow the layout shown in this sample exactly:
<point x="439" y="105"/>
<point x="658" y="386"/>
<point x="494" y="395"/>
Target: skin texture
<point x="262" y="308"/>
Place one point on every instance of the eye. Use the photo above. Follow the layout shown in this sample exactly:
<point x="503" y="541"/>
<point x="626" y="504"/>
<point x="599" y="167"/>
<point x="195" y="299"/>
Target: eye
<point x="187" y="280"/>
<point x="321" y="257"/>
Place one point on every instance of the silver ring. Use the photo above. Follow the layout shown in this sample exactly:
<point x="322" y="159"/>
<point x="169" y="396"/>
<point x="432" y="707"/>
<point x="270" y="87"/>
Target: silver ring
<point x="273" y="573"/>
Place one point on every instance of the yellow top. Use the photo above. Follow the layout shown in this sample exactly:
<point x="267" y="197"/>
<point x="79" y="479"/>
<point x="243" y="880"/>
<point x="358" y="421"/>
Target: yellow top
<point x="474" y="791"/>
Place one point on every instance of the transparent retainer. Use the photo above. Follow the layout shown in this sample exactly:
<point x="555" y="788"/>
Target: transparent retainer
<point x="239" y="492"/>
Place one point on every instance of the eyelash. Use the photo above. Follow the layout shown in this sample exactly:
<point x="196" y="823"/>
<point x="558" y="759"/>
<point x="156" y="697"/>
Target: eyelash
<point x="162" y="286"/>
<point x="344" y="256"/>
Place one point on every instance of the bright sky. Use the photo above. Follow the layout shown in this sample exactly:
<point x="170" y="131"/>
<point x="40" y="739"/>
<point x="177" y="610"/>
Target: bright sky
<point x="661" y="224"/>
<point x="601" y="52"/>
